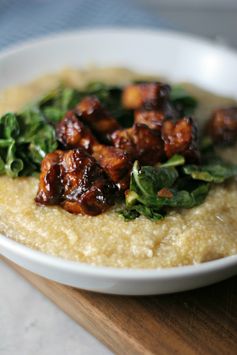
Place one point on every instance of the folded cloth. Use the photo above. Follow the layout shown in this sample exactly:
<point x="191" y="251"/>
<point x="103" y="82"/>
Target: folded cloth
<point x="24" y="19"/>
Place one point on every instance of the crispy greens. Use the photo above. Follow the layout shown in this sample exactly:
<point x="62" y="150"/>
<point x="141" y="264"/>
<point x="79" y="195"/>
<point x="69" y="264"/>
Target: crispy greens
<point x="153" y="190"/>
<point x="26" y="138"/>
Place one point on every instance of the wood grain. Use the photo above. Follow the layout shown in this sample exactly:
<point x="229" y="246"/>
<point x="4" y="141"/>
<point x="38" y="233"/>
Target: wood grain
<point x="203" y="321"/>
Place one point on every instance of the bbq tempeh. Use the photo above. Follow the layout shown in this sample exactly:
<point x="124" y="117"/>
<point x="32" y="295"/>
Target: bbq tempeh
<point x="92" y="113"/>
<point x="141" y="142"/>
<point x="72" y="133"/>
<point x="80" y="185"/>
<point x="116" y="162"/>
<point x="149" y="95"/>
<point x="222" y="126"/>
<point x="181" y="138"/>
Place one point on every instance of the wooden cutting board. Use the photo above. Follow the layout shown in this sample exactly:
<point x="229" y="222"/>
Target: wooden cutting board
<point x="203" y="321"/>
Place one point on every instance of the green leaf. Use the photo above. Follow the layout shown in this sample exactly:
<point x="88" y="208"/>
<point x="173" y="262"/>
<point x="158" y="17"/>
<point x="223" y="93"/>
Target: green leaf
<point x="24" y="141"/>
<point x="150" y="179"/>
<point x="148" y="212"/>
<point x="30" y="121"/>
<point x="2" y="166"/>
<point x="175" y="160"/>
<point x="54" y="105"/>
<point x="128" y="214"/>
<point x="9" y="126"/>
<point x="13" y="165"/>
<point x="67" y="100"/>
<point x="216" y="173"/>
<point x="53" y="114"/>
<point x="184" y="103"/>
<point x="5" y="142"/>
<point x="42" y="143"/>
<point x="131" y="198"/>
<point x="99" y="89"/>
<point x="185" y="199"/>
<point x="147" y="181"/>
<point x="63" y="98"/>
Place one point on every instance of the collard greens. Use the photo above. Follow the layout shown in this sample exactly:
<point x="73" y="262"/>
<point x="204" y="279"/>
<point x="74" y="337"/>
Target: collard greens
<point x="26" y="137"/>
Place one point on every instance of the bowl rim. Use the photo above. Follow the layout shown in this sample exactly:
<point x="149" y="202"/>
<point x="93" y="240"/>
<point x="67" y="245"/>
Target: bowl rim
<point x="77" y="267"/>
<point x="23" y="45"/>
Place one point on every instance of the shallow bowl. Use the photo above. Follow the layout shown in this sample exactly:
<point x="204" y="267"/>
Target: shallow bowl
<point x="176" y="56"/>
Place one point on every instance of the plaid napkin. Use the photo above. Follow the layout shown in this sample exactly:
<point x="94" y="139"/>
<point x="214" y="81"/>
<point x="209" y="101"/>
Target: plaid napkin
<point x="24" y="19"/>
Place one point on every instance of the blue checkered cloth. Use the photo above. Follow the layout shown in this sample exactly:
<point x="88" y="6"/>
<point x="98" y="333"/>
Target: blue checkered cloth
<point x="25" y="19"/>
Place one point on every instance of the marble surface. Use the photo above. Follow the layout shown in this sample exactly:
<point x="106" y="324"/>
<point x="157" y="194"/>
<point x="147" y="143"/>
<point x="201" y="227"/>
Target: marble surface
<point x="31" y="324"/>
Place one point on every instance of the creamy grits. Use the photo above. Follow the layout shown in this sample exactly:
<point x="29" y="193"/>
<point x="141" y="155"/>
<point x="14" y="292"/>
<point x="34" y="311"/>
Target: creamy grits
<point x="188" y="236"/>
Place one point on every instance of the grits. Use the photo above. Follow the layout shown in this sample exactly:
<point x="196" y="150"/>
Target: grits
<point x="203" y="233"/>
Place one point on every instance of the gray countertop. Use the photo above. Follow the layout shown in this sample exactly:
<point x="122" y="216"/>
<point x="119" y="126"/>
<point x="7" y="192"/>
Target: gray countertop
<point x="31" y="324"/>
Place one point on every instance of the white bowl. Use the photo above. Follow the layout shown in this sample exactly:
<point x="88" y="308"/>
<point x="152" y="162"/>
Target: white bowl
<point x="178" y="57"/>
